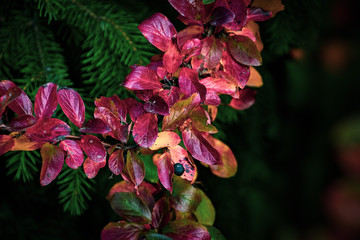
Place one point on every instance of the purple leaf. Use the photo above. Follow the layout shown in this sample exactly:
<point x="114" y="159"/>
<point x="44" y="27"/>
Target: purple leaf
<point x="48" y="130"/>
<point x="75" y="155"/>
<point x="161" y="213"/>
<point x="22" y="122"/>
<point x="240" y="72"/>
<point x="212" y="50"/>
<point x="121" y="230"/>
<point x="245" y="100"/>
<point x="200" y="148"/>
<point x="91" y="168"/>
<point x="258" y="14"/>
<point x="96" y="126"/>
<point x="157" y="105"/>
<point x="244" y="50"/>
<point x="21" y="104"/>
<point x="135" y="109"/>
<point x="72" y="105"/>
<point x="114" y="104"/>
<point x="221" y="15"/>
<point x="189" y="83"/>
<point x="190" y="9"/>
<point x="170" y="96"/>
<point x="145" y="130"/>
<point x="142" y="78"/>
<point x="189" y="33"/>
<point x="186" y="229"/>
<point x="165" y="170"/>
<point x="52" y="163"/>
<point x="118" y="131"/>
<point x="116" y="161"/>
<point x="158" y="30"/>
<point x="7" y="96"/>
<point x="134" y="171"/>
<point x="93" y="148"/>
<point x="46" y="101"/>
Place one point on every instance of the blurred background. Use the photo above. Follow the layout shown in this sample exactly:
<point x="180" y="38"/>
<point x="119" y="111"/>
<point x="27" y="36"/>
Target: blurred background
<point x="298" y="147"/>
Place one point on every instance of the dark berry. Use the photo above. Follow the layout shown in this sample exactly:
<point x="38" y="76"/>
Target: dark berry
<point x="178" y="169"/>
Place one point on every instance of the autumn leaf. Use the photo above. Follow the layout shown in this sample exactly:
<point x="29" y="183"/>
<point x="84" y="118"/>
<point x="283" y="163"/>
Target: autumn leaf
<point x="161" y="214"/>
<point x="142" y="78"/>
<point x="114" y="104"/>
<point x="134" y="171"/>
<point x="186" y="229"/>
<point x="185" y="197"/>
<point x="72" y="105"/>
<point x="229" y="163"/>
<point x="255" y="79"/>
<point x="205" y="212"/>
<point x="145" y="130"/>
<point x="191" y="9"/>
<point x="96" y="126"/>
<point x="121" y="230"/>
<point x="180" y="156"/>
<point x="157" y="105"/>
<point x="48" y="130"/>
<point x="20" y="104"/>
<point x="91" y="168"/>
<point x="189" y="83"/>
<point x="165" y="170"/>
<point x="116" y="161"/>
<point x="46" y="101"/>
<point x="6" y="143"/>
<point x="245" y="100"/>
<point x="244" y="50"/>
<point x="20" y="123"/>
<point x="165" y="139"/>
<point x="172" y="59"/>
<point x="23" y="143"/>
<point x="93" y="148"/>
<point x="75" y="155"/>
<point x="52" y="163"/>
<point x="212" y="50"/>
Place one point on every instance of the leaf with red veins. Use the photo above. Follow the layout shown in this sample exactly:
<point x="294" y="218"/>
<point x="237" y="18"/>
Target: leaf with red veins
<point x="114" y="104"/>
<point x="159" y="31"/>
<point x="121" y="230"/>
<point x="52" y="163"/>
<point x="118" y="131"/>
<point x="46" y="101"/>
<point x="165" y="170"/>
<point x="48" y="130"/>
<point x="200" y="121"/>
<point x="72" y="105"/>
<point x="7" y="96"/>
<point x="23" y="143"/>
<point x="229" y="166"/>
<point x="200" y="148"/>
<point x="244" y="51"/>
<point x="93" y="148"/>
<point x="145" y="130"/>
<point x="180" y="112"/>
<point x="144" y="95"/>
<point x="166" y="139"/>
<point x="96" y="126"/>
<point x="75" y="155"/>
<point x="245" y="100"/>
<point x="142" y="78"/>
<point x="240" y="72"/>
<point x="157" y="105"/>
<point x="221" y="16"/>
<point x="91" y="168"/>
<point x="134" y="171"/>
<point x="220" y="85"/>
<point x="189" y="83"/>
<point x="134" y="108"/>
<point x="186" y="229"/>
<point x="6" y="143"/>
<point x="212" y="50"/>
<point x="191" y="49"/>
<point x="170" y="96"/>
<point x="240" y="10"/>
<point x="116" y="162"/>
<point x="212" y="98"/>
<point x="191" y="9"/>
<point x="172" y="59"/>
<point x="21" y="104"/>
<point x="181" y="156"/>
<point x="161" y="213"/>
<point x="22" y="122"/>
<point x="258" y="14"/>
<point x="255" y="79"/>
<point x="189" y="33"/>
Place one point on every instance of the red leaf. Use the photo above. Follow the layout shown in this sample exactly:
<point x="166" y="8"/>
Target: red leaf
<point x="21" y="104"/>
<point x="161" y="213"/>
<point x="258" y="14"/>
<point x="191" y="9"/>
<point x="93" y="148"/>
<point x="142" y="78"/>
<point x="221" y="15"/>
<point x="229" y="163"/>
<point x="191" y="48"/>
<point x="118" y="131"/>
<point x="48" y="130"/>
<point x="157" y="105"/>
<point x="72" y="105"/>
<point x="186" y="229"/>
<point x="245" y="100"/>
<point x="134" y="171"/>
<point x="166" y="139"/>
<point x="212" y="50"/>
<point x="158" y="30"/>
<point x="189" y="83"/>
<point x="144" y="95"/>
<point x="7" y="96"/>
<point x="220" y="85"/>
<point x="91" y="168"/>
<point x="165" y="170"/>
<point x="46" y="101"/>
<point x="244" y="50"/>
<point x="22" y="122"/>
<point x="200" y="148"/>
<point x="23" y="143"/>
<point x="96" y="126"/>
<point x="240" y="72"/>
<point x="121" y="230"/>
<point x="52" y="163"/>
<point x="6" y="143"/>
<point x="180" y="112"/>
<point x="114" y="104"/>
<point x="172" y="59"/>
<point x="212" y="98"/>
<point x="170" y="96"/>
<point x="75" y="155"/>
<point x="116" y="162"/>
<point x="145" y="130"/>
<point x="134" y="108"/>
<point x="239" y="8"/>
<point x="180" y="155"/>
<point x="189" y="33"/>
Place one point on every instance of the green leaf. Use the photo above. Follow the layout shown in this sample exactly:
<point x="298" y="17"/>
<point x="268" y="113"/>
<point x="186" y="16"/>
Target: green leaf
<point x="157" y="236"/>
<point x="205" y="213"/>
<point x="215" y="233"/>
<point x="185" y="197"/>
<point x="150" y="169"/>
<point x="208" y="1"/>
<point x="186" y="229"/>
<point x="130" y="207"/>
